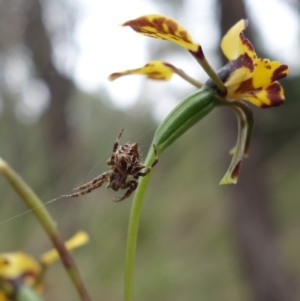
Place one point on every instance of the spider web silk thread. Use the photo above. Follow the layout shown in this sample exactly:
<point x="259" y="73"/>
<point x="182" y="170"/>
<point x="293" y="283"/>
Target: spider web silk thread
<point x="29" y="210"/>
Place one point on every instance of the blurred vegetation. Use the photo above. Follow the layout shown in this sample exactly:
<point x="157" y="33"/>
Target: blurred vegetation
<point x="187" y="248"/>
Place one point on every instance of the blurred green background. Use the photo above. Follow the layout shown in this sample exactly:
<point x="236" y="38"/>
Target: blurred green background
<point x="197" y="240"/>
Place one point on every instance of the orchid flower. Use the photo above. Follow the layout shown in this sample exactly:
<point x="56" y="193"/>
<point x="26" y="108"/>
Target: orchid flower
<point x="244" y="77"/>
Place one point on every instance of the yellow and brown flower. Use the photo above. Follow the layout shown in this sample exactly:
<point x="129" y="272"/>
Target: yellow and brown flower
<point x="245" y="76"/>
<point x="15" y="269"/>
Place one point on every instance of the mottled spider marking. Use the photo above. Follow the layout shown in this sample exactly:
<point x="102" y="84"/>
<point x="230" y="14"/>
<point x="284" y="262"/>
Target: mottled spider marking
<point x="125" y="161"/>
<point x="111" y="161"/>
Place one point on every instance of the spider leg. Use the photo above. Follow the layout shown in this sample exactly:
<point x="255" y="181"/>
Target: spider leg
<point x="111" y="160"/>
<point x="116" y="144"/>
<point x="85" y="191"/>
<point x="103" y="177"/>
<point x="142" y="174"/>
<point x="131" y="185"/>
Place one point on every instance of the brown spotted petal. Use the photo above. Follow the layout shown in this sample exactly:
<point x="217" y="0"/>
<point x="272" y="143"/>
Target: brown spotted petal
<point x="246" y="76"/>
<point x="162" y="27"/>
<point x="254" y="80"/>
<point x="158" y="70"/>
<point x="235" y="44"/>
<point x="271" y="95"/>
<point x="267" y="71"/>
<point x="235" y="75"/>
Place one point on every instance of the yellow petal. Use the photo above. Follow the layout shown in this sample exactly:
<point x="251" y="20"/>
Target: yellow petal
<point x="162" y="27"/>
<point x="271" y="95"/>
<point x="235" y="80"/>
<point x="243" y="81"/>
<point x="267" y="72"/>
<point x="234" y="43"/>
<point x="234" y="74"/>
<point x="13" y="265"/>
<point x="155" y="70"/>
<point x="79" y="239"/>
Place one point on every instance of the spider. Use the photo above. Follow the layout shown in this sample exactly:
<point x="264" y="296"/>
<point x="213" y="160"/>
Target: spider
<point x="125" y="161"/>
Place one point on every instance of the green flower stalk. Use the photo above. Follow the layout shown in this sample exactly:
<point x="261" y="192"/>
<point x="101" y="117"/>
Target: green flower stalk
<point x="49" y="225"/>
<point x="244" y="78"/>
<point x="191" y="110"/>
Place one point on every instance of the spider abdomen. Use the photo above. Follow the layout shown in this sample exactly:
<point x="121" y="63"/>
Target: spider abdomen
<point x="128" y="159"/>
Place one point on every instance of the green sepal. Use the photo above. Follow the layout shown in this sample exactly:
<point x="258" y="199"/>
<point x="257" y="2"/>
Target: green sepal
<point x="238" y="151"/>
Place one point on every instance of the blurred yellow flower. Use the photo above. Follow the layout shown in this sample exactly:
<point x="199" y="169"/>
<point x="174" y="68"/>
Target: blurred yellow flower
<point x="19" y="268"/>
<point x="154" y="69"/>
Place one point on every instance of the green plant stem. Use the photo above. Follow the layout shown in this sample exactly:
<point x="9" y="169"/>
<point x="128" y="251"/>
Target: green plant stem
<point x="188" y="78"/>
<point x="200" y="58"/>
<point x="188" y="112"/>
<point x="133" y="230"/>
<point x="39" y="210"/>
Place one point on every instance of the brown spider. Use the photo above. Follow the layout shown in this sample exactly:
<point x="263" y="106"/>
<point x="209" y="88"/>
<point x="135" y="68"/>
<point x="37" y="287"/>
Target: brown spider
<point x="125" y="161"/>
